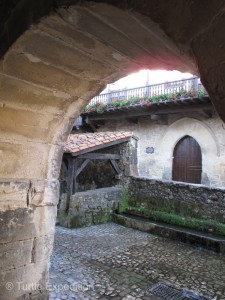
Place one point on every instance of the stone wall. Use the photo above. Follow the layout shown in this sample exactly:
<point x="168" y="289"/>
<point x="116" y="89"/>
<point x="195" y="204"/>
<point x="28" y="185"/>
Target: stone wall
<point x="180" y="198"/>
<point x="90" y="207"/>
<point x="208" y="132"/>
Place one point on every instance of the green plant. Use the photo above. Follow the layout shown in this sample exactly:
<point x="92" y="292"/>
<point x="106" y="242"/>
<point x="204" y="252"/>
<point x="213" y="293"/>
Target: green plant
<point x="133" y="99"/>
<point x="201" y="92"/>
<point x="169" y="207"/>
<point x="146" y="100"/>
<point x="124" y="201"/>
<point x="101" y="217"/>
<point x="179" y="220"/>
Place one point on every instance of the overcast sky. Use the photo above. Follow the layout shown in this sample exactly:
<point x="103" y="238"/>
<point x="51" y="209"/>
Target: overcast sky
<point x="140" y="78"/>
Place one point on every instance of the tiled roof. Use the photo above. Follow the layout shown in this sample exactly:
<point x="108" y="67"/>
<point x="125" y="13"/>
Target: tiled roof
<point x="87" y="142"/>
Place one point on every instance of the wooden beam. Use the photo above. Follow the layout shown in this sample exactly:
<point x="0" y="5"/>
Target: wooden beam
<point x="133" y="120"/>
<point x="159" y="119"/>
<point x="64" y="167"/>
<point x="154" y="117"/>
<point x="74" y="176"/>
<point x="99" y="156"/>
<point x="147" y="111"/>
<point x="80" y="169"/>
<point x="90" y="123"/>
<point x="115" y="166"/>
<point x="205" y="113"/>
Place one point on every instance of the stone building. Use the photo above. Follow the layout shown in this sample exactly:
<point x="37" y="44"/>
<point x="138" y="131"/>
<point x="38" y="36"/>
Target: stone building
<point x="184" y="142"/>
<point x="93" y="173"/>
<point x="97" y="160"/>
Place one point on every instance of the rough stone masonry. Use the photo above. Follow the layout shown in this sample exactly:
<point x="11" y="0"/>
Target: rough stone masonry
<point x="90" y="207"/>
<point x="192" y="200"/>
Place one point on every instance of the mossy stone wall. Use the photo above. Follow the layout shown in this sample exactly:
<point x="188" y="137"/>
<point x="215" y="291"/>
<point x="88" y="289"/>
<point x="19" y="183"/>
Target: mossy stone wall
<point x="90" y="207"/>
<point x="188" y="200"/>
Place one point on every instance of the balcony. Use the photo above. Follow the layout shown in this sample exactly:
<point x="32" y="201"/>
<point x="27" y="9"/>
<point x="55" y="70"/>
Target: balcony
<point x="156" y="101"/>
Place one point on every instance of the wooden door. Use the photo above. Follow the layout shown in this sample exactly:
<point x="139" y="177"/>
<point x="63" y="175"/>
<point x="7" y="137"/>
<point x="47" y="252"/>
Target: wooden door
<point x="187" y="161"/>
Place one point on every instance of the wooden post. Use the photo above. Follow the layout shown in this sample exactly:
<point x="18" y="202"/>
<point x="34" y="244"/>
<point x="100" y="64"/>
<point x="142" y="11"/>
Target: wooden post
<point x="77" y="171"/>
<point x="196" y="84"/>
<point x="70" y="182"/>
<point x="75" y="176"/>
<point x="115" y="166"/>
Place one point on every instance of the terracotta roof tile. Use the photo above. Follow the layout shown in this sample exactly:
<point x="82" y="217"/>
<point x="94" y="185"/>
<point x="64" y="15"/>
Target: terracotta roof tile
<point x="78" y="142"/>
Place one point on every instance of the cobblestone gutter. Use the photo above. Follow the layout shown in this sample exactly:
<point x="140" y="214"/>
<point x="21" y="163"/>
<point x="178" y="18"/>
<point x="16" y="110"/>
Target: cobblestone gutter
<point x="90" y="207"/>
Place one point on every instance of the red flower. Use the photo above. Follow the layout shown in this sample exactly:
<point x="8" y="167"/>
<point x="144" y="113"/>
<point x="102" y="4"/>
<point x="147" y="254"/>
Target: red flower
<point x="194" y="93"/>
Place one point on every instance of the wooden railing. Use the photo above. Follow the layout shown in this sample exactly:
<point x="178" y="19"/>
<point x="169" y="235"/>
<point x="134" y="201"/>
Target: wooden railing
<point x="171" y="87"/>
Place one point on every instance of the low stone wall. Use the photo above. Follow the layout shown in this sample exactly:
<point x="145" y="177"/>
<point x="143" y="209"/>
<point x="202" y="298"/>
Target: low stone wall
<point x="90" y="207"/>
<point x="192" y="200"/>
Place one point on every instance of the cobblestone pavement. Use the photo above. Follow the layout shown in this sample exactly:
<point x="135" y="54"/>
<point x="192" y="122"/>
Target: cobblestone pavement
<point x="113" y="262"/>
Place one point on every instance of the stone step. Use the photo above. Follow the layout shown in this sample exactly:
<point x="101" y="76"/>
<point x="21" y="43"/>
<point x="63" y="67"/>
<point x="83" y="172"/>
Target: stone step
<point x="207" y="241"/>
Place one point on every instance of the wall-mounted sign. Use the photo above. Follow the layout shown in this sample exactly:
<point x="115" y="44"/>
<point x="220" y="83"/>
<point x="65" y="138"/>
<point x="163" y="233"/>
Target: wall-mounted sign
<point x="150" y="150"/>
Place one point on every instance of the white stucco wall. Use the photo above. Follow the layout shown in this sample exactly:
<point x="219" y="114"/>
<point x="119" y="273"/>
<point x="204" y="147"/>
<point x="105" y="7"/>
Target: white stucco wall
<point x="208" y="132"/>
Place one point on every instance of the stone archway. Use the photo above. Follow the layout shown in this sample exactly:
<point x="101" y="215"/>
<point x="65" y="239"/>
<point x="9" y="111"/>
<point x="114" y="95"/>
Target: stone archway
<point x="47" y="76"/>
<point x="202" y="134"/>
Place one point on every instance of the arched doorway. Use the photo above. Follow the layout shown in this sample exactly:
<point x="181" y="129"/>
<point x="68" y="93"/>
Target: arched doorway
<point x="187" y="161"/>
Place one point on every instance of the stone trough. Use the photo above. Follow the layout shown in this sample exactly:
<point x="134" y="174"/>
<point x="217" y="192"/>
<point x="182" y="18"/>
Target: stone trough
<point x="208" y="241"/>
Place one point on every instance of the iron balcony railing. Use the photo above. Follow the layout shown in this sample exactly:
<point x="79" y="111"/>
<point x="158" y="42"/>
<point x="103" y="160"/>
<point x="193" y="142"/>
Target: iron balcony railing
<point x="172" y="87"/>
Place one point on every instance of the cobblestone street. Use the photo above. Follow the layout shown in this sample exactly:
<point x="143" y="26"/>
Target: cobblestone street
<point x="113" y="262"/>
